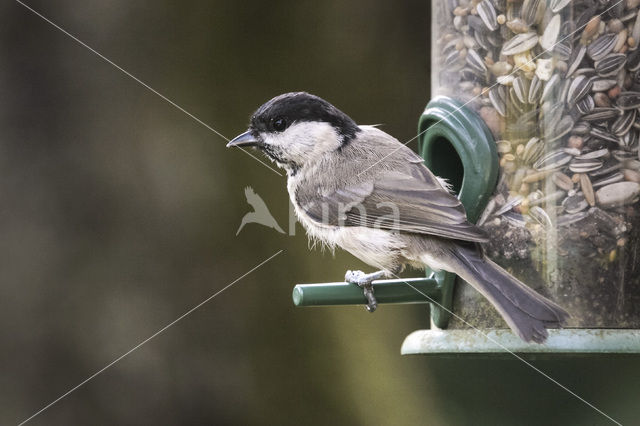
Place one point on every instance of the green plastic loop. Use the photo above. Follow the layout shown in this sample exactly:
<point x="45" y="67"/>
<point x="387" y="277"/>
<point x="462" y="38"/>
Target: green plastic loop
<point x="457" y="145"/>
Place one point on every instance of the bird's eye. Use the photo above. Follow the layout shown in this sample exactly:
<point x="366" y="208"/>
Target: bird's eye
<point x="279" y="124"/>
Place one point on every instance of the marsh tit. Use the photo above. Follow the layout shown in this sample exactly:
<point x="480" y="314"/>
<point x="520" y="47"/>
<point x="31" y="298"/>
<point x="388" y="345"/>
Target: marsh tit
<point x="359" y="188"/>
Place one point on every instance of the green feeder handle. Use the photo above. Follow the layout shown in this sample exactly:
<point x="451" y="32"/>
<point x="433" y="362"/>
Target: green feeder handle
<point x="456" y="145"/>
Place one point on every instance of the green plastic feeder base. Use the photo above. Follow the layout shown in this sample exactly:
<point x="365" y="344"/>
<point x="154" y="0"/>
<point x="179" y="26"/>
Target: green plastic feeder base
<point x="499" y="342"/>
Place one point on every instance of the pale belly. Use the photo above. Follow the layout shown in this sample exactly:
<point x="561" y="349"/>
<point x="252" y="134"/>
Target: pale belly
<point x="378" y="248"/>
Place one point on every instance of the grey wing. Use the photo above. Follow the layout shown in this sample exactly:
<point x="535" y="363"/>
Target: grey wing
<point x="412" y="201"/>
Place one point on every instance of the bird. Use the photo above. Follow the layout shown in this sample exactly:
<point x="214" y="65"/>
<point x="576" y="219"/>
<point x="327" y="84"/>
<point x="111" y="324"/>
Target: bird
<point x="260" y="213"/>
<point x="358" y="188"/>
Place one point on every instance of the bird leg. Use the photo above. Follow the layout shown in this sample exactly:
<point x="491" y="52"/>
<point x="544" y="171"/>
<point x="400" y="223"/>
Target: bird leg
<point x="364" y="281"/>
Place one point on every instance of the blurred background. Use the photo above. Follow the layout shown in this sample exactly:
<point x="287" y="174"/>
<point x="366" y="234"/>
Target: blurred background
<point x="118" y="213"/>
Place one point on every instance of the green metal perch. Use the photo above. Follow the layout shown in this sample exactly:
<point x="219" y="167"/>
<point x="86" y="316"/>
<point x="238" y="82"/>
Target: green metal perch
<point x="409" y="290"/>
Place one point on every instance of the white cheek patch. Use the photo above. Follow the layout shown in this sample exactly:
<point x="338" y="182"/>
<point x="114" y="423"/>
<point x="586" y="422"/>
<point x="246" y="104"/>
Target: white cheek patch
<point x="304" y="141"/>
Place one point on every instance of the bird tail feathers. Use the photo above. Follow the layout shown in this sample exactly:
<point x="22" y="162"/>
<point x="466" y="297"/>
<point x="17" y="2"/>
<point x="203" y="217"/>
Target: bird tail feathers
<point x="526" y="312"/>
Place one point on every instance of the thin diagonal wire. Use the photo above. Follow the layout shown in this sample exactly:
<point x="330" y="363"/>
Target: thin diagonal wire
<point x="516" y="69"/>
<point x="142" y="83"/>
<point x="130" y="351"/>
<point x="514" y="354"/>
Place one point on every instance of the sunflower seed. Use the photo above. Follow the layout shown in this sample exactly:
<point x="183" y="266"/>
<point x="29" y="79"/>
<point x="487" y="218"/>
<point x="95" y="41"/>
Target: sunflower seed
<point x="602" y="46"/>
<point x="557" y="5"/>
<point x="609" y="179"/>
<point x="475" y="61"/>
<point x="510" y="204"/>
<point x="471" y="75"/>
<point x="495" y="39"/>
<point x="593" y="155"/>
<point x="630" y="139"/>
<point x="535" y="90"/>
<point x="528" y="118"/>
<point x="562" y="51"/>
<point x="586" y="71"/>
<point x="629" y="100"/>
<point x="623" y="124"/>
<point x="601" y="114"/>
<point x="584" y="166"/>
<point x="541" y="216"/>
<point x="574" y="204"/>
<point x="599" y="133"/>
<point x="602" y="84"/>
<point x="475" y="23"/>
<point x="623" y="156"/>
<point x="618" y="194"/>
<point x="564" y="91"/>
<point x="576" y="59"/>
<point x="532" y="150"/>
<point x="635" y="33"/>
<point x="633" y="61"/>
<point x="563" y="127"/>
<point x="487" y="212"/>
<point x="530" y="10"/>
<point x="549" y="88"/>
<point x="515" y="219"/>
<point x="480" y="35"/>
<point x="552" y="161"/>
<point x="610" y="65"/>
<point x="579" y="87"/>
<point x="520" y="89"/>
<point x="488" y="15"/>
<point x="607" y="168"/>
<point x="521" y="43"/>
<point x="452" y="61"/>
<point x="551" y="116"/>
<point x="585" y="105"/>
<point x="497" y="97"/>
<point x="515" y="102"/>
<point x="550" y="35"/>
<point x="581" y="128"/>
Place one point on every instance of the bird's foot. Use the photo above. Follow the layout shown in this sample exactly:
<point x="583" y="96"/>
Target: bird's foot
<point x="364" y="281"/>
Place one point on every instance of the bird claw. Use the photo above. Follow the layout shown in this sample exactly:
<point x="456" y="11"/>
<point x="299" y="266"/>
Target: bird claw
<point x="364" y="281"/>
<point x="372" y="303"/>
<point x="355" y="277"/>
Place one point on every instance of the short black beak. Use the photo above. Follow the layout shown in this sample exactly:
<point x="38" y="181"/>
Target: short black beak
<point x="245" y="139"/>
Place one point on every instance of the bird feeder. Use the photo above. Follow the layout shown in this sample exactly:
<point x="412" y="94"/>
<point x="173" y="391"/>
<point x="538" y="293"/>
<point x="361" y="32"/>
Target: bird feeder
<point x="535" y="125"/>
